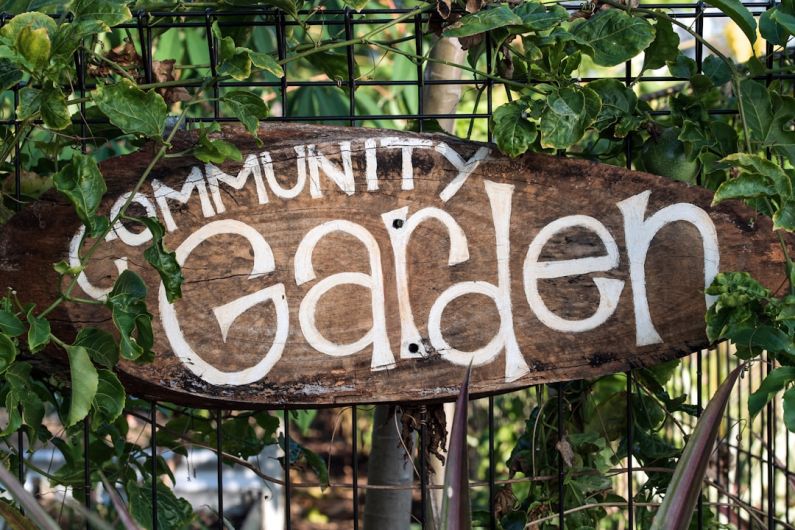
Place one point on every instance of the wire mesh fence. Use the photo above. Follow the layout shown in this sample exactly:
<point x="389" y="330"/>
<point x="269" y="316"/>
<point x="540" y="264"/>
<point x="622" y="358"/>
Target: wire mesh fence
<point x="750" y="475"/>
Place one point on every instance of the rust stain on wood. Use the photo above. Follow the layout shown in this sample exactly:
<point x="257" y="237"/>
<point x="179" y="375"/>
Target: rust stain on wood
<point x="341" y="265"/>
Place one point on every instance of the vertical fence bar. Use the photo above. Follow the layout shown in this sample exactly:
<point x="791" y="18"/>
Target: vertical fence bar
<point x="153" y="446"/>
<point x="145" y="37"/>
<point x="492" y="466"/>
<point x="219" y="441"/>
<point x="420" y="77"/>
<point x="423" y="468"/>
<point x="86" y="467"/>
<point x="287" y="488"/>
<point x="281" y="50"/>
<point x="355" y="464"/>
<point x="749" y="460"/>
<point x="630" y="442"/>
<point x="351" y="69"/>
<point x="699" y="57"/>
<point x="699" y="401"/>
<point x="490" y="87"/>
<point x="770" y="450"/>
<point x="769" y="410"/>
<point x="17" y="205"/>
<point x="630" y="425"/>
<point x="740" y="427"/>
<point x="561" y="471"/>
<point x="213" y="52"/>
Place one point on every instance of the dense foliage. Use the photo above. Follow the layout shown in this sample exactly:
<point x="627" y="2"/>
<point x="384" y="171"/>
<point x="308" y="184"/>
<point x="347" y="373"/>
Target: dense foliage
<point x="540" y="51"/>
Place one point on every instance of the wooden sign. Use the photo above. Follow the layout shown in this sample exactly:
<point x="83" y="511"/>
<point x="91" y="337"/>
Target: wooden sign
<point x="341" y="265"/>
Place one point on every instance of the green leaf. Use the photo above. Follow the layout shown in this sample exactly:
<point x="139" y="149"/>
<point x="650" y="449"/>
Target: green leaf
<point x="109" y="400"/>
<point x="717" y="70"/>
<point x="785" y="20"/>
<point x="739" y="14"/>
<point x="295" y="453"/>
<point x="615" y="36"/>
<point x="8" y="352"/>
<point x="172" y="512"/>
<point x="758" y="165"/>
<point x="10" y="324"/>
<point x="682" y="66"/>
<point x="769" y="128"/>
<point x="10" y="74"/>
<point x="513" y="133"/>
<point x="536" y="17"/>
<point x="109" y="12"/>
<point x="84" y="384"/>
<point x="482" y="21"/>
<point x="234" y="61"/>
<point x="789" y="409"/>
<point x="664" y="47"/>
<point x="32" y="20"/>
<point x="247" y="107"/>
<point x="34" y="45"/>
<point x="265" y="61"/>
<point x="82" y="183"/>
<point x="784" y="218"/>
<point x="334" y="65"/>
<point x="775" y="381"/>
<point x="127" y="301"/>
<point x="771" y="30"/>
<point x="756" y="339"/>
<point x="29" y="103"/>
<point x="216" y="151"/>
<point x="164" y="261"/>
<point x="746" y="186"/>
<point x="131" y="109"/>
<point x="14" y="417"/>
<point x="100" y="345"/>
<point x="39" y="332"/>
<point x="53" y="108"/>
<point x="619" y="107"/>
<point x="569" y="112"/>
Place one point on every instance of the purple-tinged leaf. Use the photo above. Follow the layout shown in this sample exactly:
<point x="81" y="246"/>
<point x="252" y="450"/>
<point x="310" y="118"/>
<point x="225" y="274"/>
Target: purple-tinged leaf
<point x="456" y="510"/>
<point x="676" y="511"/>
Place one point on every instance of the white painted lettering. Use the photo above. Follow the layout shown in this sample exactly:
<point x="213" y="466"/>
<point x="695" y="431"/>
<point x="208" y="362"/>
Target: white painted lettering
<point x="305" y="272"/>
<point x="227" y="313"/>
<point x="534" y="270"/>
<point x="500" y="196"/>
<point x="343" y="178"/>
<point x="400" y="227"/>
<point x="134" y="239"/>
<point x="464" y="168"/>
<point x="163" y="194"/>
<point x="407" y="147"/>
<point x="250" y="167"/>
<point x="639" y="232"/>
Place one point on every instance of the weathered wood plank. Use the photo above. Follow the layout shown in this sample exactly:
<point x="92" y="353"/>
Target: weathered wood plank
<point x="342" y="265"/>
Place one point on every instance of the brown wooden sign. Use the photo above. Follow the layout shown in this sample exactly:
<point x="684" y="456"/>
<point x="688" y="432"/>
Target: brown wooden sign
<point x="340" y="265"/>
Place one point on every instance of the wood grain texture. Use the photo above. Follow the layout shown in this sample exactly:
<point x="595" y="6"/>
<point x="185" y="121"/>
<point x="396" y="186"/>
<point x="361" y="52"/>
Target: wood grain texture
<point x="539" y="190"/>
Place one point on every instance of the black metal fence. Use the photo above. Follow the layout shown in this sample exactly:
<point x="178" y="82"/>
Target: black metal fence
<point x="752" y="465"/>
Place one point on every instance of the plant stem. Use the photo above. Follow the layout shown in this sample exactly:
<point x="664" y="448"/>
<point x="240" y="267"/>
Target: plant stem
<point x="357" y="40"/>
<point x="152" y="163"/>
<point x="410" y="55"/>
